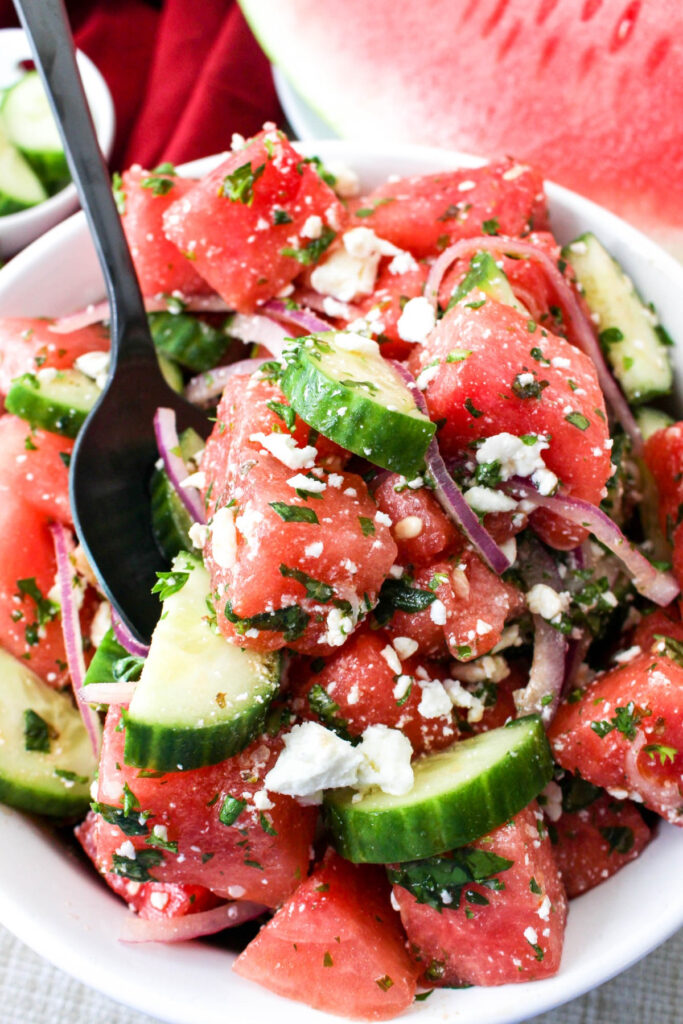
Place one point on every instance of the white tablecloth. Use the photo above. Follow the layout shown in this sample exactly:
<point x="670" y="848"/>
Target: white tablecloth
<point x="33" y="992"/>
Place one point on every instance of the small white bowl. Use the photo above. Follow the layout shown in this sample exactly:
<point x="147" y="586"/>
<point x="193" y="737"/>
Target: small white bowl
<point x="18" y="229"/>
<point x="65" y="913"/>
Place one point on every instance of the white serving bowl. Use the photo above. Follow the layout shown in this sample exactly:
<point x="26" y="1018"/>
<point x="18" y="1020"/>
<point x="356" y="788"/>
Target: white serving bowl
<point x="18" y="229"/>
<point x="51" y="902"/>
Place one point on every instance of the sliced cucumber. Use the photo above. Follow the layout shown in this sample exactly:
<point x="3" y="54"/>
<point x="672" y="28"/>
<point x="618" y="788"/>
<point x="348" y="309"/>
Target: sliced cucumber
<point x="171" y="373"/>
<point x="651" y="420"/>
<point x="484" y="275"/>
<point x="200" y="699"/>
<point x="171" y="521"/>
<point x="111" y="663"/>
<point x="458" y="795"/>
<point x="31" y="127"/>
<point x="19" y="186"/>
<point x="340" y="385"/>
<point x="191" y="342"/>
<point x="55" y="400"/>
<point x="46" y="760"/>
<point x="635" y="345"/>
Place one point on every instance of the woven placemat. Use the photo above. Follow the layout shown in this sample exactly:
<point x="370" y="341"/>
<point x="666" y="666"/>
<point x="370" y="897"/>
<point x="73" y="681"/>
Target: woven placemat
<point x="34" y="992"/>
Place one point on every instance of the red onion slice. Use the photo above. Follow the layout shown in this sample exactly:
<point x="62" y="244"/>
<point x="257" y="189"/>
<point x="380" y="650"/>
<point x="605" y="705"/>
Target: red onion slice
<point x="190" y="926"/>
<point x="99" y="312"/>
<point x="449" y="495"/>
<point x="71" y="631"/>
<point x="109" y="693"/>
<point x="657" y="586"/>
<point x="169" y="448"/>
<point x="547" y="673"/>
<point x="304" y="318"/>
<point x="259" y="330"/>
<point x="126" y="638"/>
<point x="582" y="328"/>
<point x="206" y="387"/>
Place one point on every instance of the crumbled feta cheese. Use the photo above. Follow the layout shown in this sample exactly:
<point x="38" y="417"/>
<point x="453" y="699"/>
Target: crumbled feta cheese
<point x="491" y="667"/>
<point x="339" y="625"/>
<point x="247" y="522"/>
<point x="544" y="909"/>
<point x="332" y="307"/>
<point x="405" y="646"/>
<point x="101" y="623"/>
<point x="197" y="480"/>
<point x="462" y="698"/>
<point x="351" y="342"/>
<point x="236" y="892"/>
<point x="262" y="801"/>
<point x="301" y="482"/>
<point x="314" y="550"/>
<point x="435" y="701"/>
<point x="346" y="182"/>
<point x="363" y="242"/>
<point x="551" y="801"/>
<point x="437" y="612"/>
<point x="313" y="759"/>
<point x="485" y="499"/>
<point x="426" y="376"/>
<point x="313" y="227"/>
<point x="417" y="320"/>
<point x="545" y="601"/>
<point x="126" y="849"/>
<point x="403" y="684"/>
<point x="623" y="657"/>
<point x="392" y="659"/>
<point x="518" y="459"/>
<point x="402" y="263"/>
<point x="198" y="534"/>
<point x="531" y="936"/>
<point x="94" y="365"/>
<point x="286" y="450"/>
<point x="386" y="759"/>
<point x="383" y="519"/>
<point x="224" y="538"/>
<point x="158" y="899"/>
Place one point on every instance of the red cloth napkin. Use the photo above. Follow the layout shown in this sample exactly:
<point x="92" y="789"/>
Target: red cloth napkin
<point x="184" y="75"/>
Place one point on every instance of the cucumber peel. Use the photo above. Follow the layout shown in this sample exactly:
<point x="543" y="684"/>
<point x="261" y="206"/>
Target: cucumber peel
<point x="459" y="794"/>
<point x="54" y="400"/>
<point x="339" y="384"/>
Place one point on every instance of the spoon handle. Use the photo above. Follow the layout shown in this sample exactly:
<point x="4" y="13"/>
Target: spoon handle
<point x="47" y="28"/>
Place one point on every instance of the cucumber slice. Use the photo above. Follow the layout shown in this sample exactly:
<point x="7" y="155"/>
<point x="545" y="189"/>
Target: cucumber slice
<point x="19" y="186"/>
<point x="200" y="699"/>
<point x="171" y="373"/>
<point x="46" y="760"/>
<point x="171" y="521"/>
<point x="55" y="400"/>
<point x="339" y="384"/>
<point x="31" y="127"/>
<point x="651" y="420"/>
<point x="484" y="275"/>
<point x="634" y="343"/>
<point x="111" y="662"/>
<point x="191" y="342"/>
<point x="459" y="794"/>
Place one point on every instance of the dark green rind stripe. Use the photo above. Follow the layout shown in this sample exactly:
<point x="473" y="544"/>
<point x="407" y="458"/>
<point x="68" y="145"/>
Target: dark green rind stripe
<point x="456" y="816"/>
<point x="51" y="798"/>
<point x="170" y="519"/>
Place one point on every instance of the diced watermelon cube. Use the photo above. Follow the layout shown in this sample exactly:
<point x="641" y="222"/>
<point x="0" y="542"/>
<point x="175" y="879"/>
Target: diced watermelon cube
<point x="511" y="933"/>
<point x="420" y="527"/>
<point x="336" y="945"/>
<point x="255" y="221"/>
<point x="27" y="344"/>
<point x="35" y="463"/>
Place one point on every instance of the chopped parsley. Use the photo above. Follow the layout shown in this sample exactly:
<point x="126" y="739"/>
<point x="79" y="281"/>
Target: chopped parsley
<point x="294" y="513"/>
<point x="169" y="583"/>
<point x="625" y="721"/>
<point x="620" y="838"/>
<point x="137" y="868"/>
<point x="528" y="388"/>
<point x="238" y="187"/>
<point x="313" y="250"/>
<point x="281" y="217"/>
<point x="316" y="590"/>
<point x="37" y="732"/>
<point x="290" y="621"/>
<point x="399" y="595"/>
<point x="231" y="809"/>
<point x="577" y="419"/>
<point x="442" y="881"/>
<point x="159" y="181"/>
<point x="491" y="227"/>
<point x="131" y="824"/>
<point x="469" y="405"/>
<point x="367" y="526"/>
<point x="118" y="192"/>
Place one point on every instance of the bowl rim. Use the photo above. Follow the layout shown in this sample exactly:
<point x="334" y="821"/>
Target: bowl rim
<point x="182" y="1007"/>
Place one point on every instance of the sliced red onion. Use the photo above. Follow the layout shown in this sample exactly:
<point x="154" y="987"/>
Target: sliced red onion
<point x="259" y="330"/>
<point x="169" y="448"/>
<point x="99" y="312"/>
<point x="657" y="586"/>
<point x="126" y="638"/>
<point x="582" y="328"/>
<point x="449" y="495"/>
<point x="109" y="693"/>
<point x="304" y="318"/>
<point x="206" y="387"/>
<point x="71" y="631"/>
<point x="190" y="926"/>
<point x="541" y="695"/>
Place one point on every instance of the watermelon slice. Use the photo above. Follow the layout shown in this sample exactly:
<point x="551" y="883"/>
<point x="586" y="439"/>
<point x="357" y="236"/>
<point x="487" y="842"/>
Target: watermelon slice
<point x="586" y="90"/>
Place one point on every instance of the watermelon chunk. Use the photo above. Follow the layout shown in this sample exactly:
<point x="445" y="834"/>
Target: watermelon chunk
<point x="35" y="463"/>
<point x="305" y="550"/>
<point x="510" y="933"/>
<point x="392" y="289"/>
<point x="485" y="394"/>
<point x="336" y="945"/>
<point x="584" y="90"/>
<point x="252" y="223"/>
<point x="219" y="838"/>
<point x="27" y="344"/>
<point x="421" y="529"/>
<point x="664" y="458"/>
<point x="625" y="732"/>
<point x="160" y="266"/>
<point x="595" y="836"/>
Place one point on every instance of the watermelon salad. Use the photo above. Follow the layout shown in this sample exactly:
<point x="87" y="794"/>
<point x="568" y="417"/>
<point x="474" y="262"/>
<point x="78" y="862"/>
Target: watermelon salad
<point x="418" y="670"/>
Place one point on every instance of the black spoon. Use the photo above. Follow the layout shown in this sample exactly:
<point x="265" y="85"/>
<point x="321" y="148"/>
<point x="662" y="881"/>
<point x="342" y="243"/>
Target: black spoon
<point x="116" y="449"/>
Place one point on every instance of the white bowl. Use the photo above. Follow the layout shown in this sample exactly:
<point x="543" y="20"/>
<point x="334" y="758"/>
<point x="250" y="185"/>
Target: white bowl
<point x="18" y="229"/>
<point x="66" y="914"/>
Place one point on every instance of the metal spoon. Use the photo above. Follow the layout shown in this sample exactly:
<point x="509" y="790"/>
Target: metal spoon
<point x="116" y="449"/>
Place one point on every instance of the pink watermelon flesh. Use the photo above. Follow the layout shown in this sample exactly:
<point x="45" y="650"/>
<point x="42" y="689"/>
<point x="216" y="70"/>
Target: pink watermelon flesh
<point x="587" y="89"/>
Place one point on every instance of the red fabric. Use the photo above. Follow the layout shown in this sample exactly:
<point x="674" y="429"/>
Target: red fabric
<point x="184" y="76"/>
